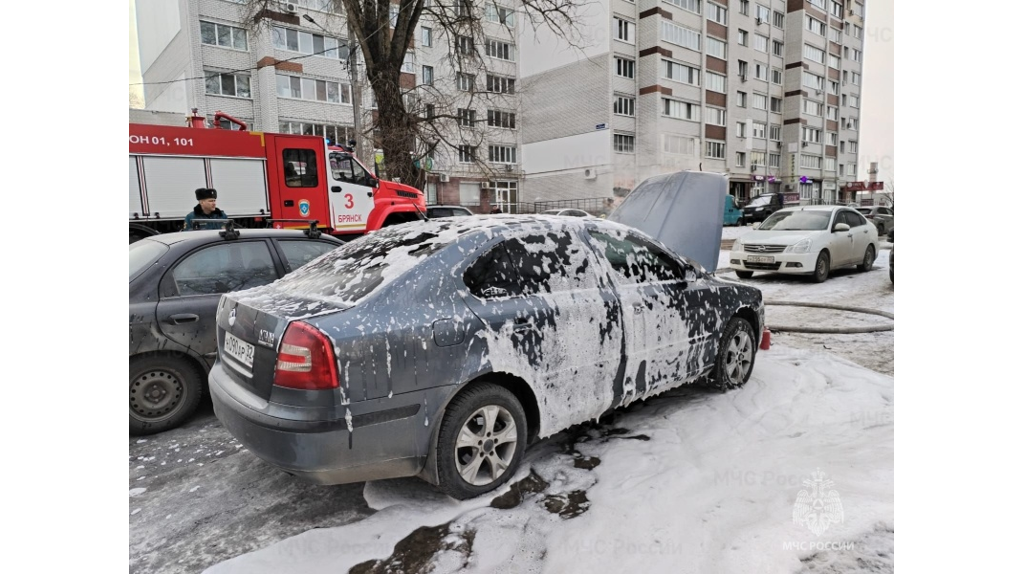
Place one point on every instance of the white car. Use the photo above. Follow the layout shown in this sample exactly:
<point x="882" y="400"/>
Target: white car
<point x="809" y="240"/>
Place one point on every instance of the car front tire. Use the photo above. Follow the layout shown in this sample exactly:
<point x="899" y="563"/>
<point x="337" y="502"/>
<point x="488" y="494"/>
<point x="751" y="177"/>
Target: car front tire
<point x="822" y="267"/>
<point x="736" y="353"/>
<point x="869" y="259"/>
<point x="163" y="391"/>
<point x="744" y="274"/>
<point x="481" y="441"/>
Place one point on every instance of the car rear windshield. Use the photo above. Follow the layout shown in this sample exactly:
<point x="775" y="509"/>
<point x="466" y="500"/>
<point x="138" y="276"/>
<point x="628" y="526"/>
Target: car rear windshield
<point x="141" y="255"/>
<point x="797" y="221"/>
<point x="864" y="210"/>
<point x="760" y="200"/>
<point x="352" y="272"/>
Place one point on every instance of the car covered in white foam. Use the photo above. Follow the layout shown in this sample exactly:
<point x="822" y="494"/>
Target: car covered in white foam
<point x="442" y="348"/>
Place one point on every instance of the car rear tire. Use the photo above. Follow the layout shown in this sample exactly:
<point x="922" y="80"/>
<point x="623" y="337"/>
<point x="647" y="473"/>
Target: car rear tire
<point x="822" y="267"/>
<point x="481" y="441"/>
<point x="163" y="391"/>
<point x="736" y="353"/>
<point x="869" y="259"/>
<point x="744" y="274"/>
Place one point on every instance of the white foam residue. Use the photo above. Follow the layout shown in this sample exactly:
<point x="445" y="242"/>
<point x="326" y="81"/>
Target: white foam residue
<point x="133" y="492"/>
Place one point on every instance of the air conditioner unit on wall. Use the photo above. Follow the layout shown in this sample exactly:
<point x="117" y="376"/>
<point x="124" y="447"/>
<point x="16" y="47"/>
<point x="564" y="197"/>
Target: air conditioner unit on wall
<point x="290" y="8"/>
<point x="485" y="185"/>
<point x="443" y="177"/>
<point x="590" y="173"/>
<point x="509" y="167"/>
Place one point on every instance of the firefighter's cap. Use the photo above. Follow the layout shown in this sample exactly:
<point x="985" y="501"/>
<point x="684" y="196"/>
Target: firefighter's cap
<point x="206" y="193"/>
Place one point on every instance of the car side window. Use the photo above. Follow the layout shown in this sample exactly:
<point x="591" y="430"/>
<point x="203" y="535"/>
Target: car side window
<point x="855" y="219"/>
<point x="551" y="262"/>
<point x="637" y="261"/>
<point x="492" y="275"/>
<point x="298" y="252"/>
<point x="344" y="168"/>
<point x="847" y="218"/>
<point x="886" y="211"/>
<point x="224" y="267"/>
<point x="441" y="213"/>
<point x="299" y="167"/>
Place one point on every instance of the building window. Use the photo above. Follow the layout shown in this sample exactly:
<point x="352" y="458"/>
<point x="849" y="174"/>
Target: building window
<point x="745" y="7"/>
<point x="761" y="71"/>
<point x="236" y="85"/>
<point x="858" y="32"/>
<point x="812" y="108"/>
<point x="759" y="102"/>
<point x="465" y="82"/>
<point x="774" y="160"/>
<point x="625" y="68"/>
<point x="837" y="9"/>
<point x="304" y="42"/>
<point x="681" y="73"/>
<point x="758" y="158"/>
<point x="844" y="99"/>
<point x="778" y="48"/>
<point x="811" y="135"/>
<point x="501" y="50"/>
<point x="830" y="164"/>
<point x="675" y="34"/>
<point x="501" y="154"/>
<point x="431" y="189"/>
<point x="500" y="84"/>
<point x="741" y="99"/>
<point x="757" y="130"/>
<point x="761" y="43"/>
<point x="716" y="48"/>
<point x="467" y="154"/>
<point x="741" y="129"/>
<point x="819" y="4"/>
<point x="681" y="110"/>
<point x="624" y="106"/>
<point x="832" y="113"/>
<point x="855" y="78"/>
<point x="813" y="82"/>
<point x="741" y="37"/>
<point x="853" y="146"/>
<point x="855" y="55"/>
<point x="858" y="9"/>
<point x="466" y="117"/>
<point x="814" y="25"/>
<point x="428" y="111"/>
<point x="810" y="161"/>
<point x="426" y="37"/>
<point x="678" y="145"/>
<point x="741" y="67"/>
<point x="833" y="61"/>
<point x="763" y="13"/>
<point x="778" y="19"/>
<point x="500" y="14"/>
<point x="715" y="149"/>
<point x="814" y="54"/>
<point x="833" y="87"/>
<point x="223" y="35"/>
<point x="835" y="35"/>
<point x="741" y="159"/>
<point x="623" y="143"/>
<point x="775" y="132"/>
<point x="428" y="75"/>
<point x="691" y="5"/>
<point x="717" y="13"/>
<point x="625" y="31"/>
<point x="715" y="117"/>
<point x="500" y="119"/>
<point x="409" y="63"/>
<point x="465" y="45"/>
<point x="776" y="105"/>
<point x="776" y="76"/>
<point x="332" y="132"/>
<point x="715" y="82"/>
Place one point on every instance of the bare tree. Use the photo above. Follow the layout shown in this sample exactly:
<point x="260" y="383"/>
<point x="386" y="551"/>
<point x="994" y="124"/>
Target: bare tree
<point x="134" y="99"/>
<point x="413" y="122"/>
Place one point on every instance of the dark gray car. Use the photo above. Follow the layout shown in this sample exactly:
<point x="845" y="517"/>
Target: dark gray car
<point x="175" y="281"/>
<point x="441" y="348"/>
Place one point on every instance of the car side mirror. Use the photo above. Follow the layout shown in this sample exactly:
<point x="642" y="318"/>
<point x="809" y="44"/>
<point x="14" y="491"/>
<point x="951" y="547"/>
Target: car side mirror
<point x="372" y="181"/>
<point x="840" y="227"/>
<point x="689" y="274"/>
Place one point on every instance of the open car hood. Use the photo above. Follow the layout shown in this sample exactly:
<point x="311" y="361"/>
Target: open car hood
<point x="683" y="210"/>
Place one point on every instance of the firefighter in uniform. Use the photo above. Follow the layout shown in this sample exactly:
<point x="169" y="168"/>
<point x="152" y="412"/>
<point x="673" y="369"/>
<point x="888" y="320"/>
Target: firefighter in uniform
<point x="205" y="209"/>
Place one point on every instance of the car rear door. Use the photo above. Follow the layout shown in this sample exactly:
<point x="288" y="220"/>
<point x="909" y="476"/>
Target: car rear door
<point x="861" y="229"/>
<point x="841" y="244"/>
<point x="191" y="289"/>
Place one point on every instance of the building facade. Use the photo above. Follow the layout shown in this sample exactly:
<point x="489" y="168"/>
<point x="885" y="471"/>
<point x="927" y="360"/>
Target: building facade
<point x="767" y="92"/>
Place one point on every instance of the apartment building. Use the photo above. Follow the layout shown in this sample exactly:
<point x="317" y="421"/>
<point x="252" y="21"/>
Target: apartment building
<point x="291" y="75"/>
<point x="767" y="92"/>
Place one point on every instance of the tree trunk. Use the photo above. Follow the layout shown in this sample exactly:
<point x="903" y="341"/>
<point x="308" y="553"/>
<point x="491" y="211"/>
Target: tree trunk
<point x="397" y="128"/>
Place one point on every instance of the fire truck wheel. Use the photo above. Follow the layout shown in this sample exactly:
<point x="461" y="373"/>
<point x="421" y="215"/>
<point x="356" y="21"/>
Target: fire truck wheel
<point x="163" y="391"/>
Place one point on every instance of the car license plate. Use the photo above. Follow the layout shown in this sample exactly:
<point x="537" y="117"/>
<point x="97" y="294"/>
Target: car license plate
<point x="761" y="259"/>
<point x="238" y="349"/>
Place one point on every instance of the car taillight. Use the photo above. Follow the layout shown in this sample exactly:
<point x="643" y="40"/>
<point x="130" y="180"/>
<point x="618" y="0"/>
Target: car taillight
<point x="305" y="359"/>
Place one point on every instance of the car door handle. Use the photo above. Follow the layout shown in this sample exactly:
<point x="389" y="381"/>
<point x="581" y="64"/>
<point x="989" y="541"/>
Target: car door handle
<point x="184" y="318"/>
<point x="520" y="324"/>
<point x="638" y="308"/>
<point x="336" y="189"/>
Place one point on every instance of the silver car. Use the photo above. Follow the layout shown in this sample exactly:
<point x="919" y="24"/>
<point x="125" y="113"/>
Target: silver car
<point x="440" y="349"/>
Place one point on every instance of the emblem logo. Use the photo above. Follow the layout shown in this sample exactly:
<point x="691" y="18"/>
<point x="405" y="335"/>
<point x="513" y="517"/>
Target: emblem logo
<point x="818" y="506"/>
<point x="231" y="318"/>
<point x="304" y="207"/>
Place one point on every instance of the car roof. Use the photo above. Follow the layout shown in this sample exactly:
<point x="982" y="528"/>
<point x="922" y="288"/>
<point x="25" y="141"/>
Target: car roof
<point x="447" y="207"/>
<point x="214" y="234"/>
<point x="815" y="208"/>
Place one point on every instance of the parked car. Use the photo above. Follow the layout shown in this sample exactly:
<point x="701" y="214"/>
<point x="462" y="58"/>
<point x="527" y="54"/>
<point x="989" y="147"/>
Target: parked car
<point x="174" y="283"/>
<point x="892" y="275"/>
<point x="732" y="215"/>
<point x="568" y="212"/>
<point x="809" y="240"/>
<point x="435" y="211"/>
<point x="882" y="217"/>
<point x="439" y="349"/>
<point x="760" y="207"/>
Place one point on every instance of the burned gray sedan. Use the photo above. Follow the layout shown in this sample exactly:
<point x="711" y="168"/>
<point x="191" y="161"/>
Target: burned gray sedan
<point x="440" y="349"/>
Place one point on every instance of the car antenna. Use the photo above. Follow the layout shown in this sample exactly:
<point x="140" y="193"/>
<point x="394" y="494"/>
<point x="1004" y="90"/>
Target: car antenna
<point x="420" y="212"/>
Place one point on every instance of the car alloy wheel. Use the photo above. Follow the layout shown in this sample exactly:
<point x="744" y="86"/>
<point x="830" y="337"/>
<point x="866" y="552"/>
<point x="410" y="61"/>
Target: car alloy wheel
<point x="736" y="352"/>
<point x="481" y="441"/>
<point x="869" y="259"/>
<point x="163" y="391"/>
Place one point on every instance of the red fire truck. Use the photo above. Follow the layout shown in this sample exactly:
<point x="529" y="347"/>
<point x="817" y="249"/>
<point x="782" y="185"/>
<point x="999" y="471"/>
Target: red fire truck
<point x="259" y="177"/>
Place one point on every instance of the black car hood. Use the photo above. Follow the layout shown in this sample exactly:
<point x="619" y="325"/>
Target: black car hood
<point x="683" y="210"/>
